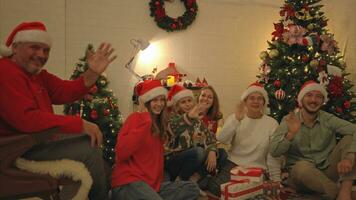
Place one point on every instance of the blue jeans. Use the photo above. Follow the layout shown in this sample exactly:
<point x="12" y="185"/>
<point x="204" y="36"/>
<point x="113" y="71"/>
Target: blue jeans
<point x="179" y="190"/>
<point x="184" y="164"/>
<point x="220" y="162"/>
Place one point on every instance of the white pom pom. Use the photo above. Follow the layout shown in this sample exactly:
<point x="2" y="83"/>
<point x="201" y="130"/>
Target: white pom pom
<point x="5" y="51"/>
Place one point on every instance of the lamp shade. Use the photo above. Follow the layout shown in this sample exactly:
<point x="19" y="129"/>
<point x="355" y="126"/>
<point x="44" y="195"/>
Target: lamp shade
<point x="140" y="43"/>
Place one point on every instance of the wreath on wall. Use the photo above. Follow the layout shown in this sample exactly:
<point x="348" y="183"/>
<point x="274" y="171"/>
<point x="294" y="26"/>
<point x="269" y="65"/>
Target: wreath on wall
<point x="173" y="24"/>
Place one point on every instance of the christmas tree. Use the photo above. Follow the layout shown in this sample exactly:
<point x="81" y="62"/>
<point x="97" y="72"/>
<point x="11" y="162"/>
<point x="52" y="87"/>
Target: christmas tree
<point x="302" y="49"/>
<point x="98" y="106"/>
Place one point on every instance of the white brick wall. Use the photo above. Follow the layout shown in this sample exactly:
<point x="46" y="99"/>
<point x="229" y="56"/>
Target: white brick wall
<point x="222" y="45"/>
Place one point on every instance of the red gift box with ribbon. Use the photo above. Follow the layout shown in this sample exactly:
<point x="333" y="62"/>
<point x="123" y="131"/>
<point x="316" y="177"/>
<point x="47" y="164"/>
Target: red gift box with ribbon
<point x="253" y="174"/>
<point x="240" y="189"/>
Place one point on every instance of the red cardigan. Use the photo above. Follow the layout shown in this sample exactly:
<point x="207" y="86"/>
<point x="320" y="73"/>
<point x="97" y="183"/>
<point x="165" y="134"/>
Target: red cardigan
<point x="139" y="154"/>
<point x="26" y="100"/>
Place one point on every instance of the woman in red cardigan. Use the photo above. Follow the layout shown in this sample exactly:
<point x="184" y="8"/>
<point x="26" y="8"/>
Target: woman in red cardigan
<point x="138" y="173"/>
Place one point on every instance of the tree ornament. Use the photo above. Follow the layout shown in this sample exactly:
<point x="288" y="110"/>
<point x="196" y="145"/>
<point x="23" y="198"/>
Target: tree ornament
<point x="347" y="104"/>
<point x="280" y="94"/>
<point x="305" y="58"/>
<point x="273" y="53"/>
<point x="106" y="112"/>
<point x="314" y="63"/>
<point x="81" y="109"/>
<point x="311" y="26"/>
<point x="103" y="82"/>
<point x="333" y="70"/>
<point x="338" y="110"/>
<point x="323" y="78"/>
<point x="277" y="83"/>
<point x="168" y="23"/>
<point x="94" y="114"/>
<point x="322" y="63"/>
<point x="264" y="55"/>
<point x="93" y="89"/>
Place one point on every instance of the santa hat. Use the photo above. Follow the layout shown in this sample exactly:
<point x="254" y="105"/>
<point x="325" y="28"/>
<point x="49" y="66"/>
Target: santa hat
<point x="149" y="89"/>
<point x="178" y="92"/>
<point x="26" y="32"/>
<point x="311" y="86"/>
<point x="255" y="87"/>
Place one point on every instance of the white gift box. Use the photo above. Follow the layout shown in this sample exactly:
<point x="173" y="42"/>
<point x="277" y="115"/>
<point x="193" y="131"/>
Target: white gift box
<point x="254" y="174"/>
<point x="239" y="190"/>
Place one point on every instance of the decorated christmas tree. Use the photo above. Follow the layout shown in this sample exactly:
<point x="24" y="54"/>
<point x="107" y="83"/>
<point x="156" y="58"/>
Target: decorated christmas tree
<point x="98" y="106"/>
<point x="302" y="49"/>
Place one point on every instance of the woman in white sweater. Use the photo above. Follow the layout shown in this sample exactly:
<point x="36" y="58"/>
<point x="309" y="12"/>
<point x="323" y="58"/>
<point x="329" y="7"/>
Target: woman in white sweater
<point x="248" y="131"/>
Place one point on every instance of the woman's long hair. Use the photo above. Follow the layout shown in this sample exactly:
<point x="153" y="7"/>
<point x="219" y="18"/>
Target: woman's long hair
<point x="159" y="122"/>
<point x="214" y="110"/>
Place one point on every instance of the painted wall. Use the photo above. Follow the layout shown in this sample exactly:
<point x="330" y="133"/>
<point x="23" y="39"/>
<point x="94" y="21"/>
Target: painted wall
<point x="222" y="45"/>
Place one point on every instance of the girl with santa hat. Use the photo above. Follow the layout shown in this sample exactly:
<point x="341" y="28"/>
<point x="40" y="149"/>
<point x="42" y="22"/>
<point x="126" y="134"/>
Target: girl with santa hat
<point x="138" y="171"/>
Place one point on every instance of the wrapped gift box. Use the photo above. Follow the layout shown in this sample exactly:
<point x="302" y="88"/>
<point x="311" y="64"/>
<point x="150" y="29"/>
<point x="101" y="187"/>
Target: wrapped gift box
<point x="240" y="189"/>
<point x="254" y="174"/>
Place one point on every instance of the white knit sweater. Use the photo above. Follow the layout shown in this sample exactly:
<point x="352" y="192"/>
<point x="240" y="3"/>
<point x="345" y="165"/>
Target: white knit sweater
<point x="249" y="140"/>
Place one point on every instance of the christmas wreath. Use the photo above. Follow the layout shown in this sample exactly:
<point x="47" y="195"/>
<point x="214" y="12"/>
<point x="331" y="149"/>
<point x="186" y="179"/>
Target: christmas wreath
<point x="173" y="24"/>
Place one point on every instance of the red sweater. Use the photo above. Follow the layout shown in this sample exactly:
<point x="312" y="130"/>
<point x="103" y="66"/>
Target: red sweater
<point x="139" y="154"/>
<point x="26" y="100"/>
<point x="211" y="124"/>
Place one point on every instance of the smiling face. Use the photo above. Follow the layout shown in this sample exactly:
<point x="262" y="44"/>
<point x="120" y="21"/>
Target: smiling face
<point x="31" y="56"/>
<point x="185" y="104"/>
<point x="206" y="97"/>
<point x="312" y="101"/>
<point x="255" y="104"/>
<point x="157" y="104"/>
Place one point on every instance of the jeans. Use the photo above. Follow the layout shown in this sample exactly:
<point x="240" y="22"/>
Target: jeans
<point x="213" y="182"/>
<point x="78" y="149"/>
<point x="179" y="190"/>
<point x="184" y="164"/>
<point x="220" y="162"/>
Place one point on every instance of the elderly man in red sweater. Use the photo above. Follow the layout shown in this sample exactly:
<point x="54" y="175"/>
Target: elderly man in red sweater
<point x="28" y="92"/>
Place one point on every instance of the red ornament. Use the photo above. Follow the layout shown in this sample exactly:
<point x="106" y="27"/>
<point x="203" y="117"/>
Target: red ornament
<point x="280" y="94"/>
<point x="190" y="3"/>
<point x="94" y="114"/>
<point x="322" y="63"/>
<point x="277" y="83"/>
<point x="157" y="3"/>
<point x="305" y="58"/>
<point x="347" y="104"/>
<point x="338" y="109"/>
<point x="93" y="89"/>
<point x="173" y="26"/>
<point x="106" y="112"/>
